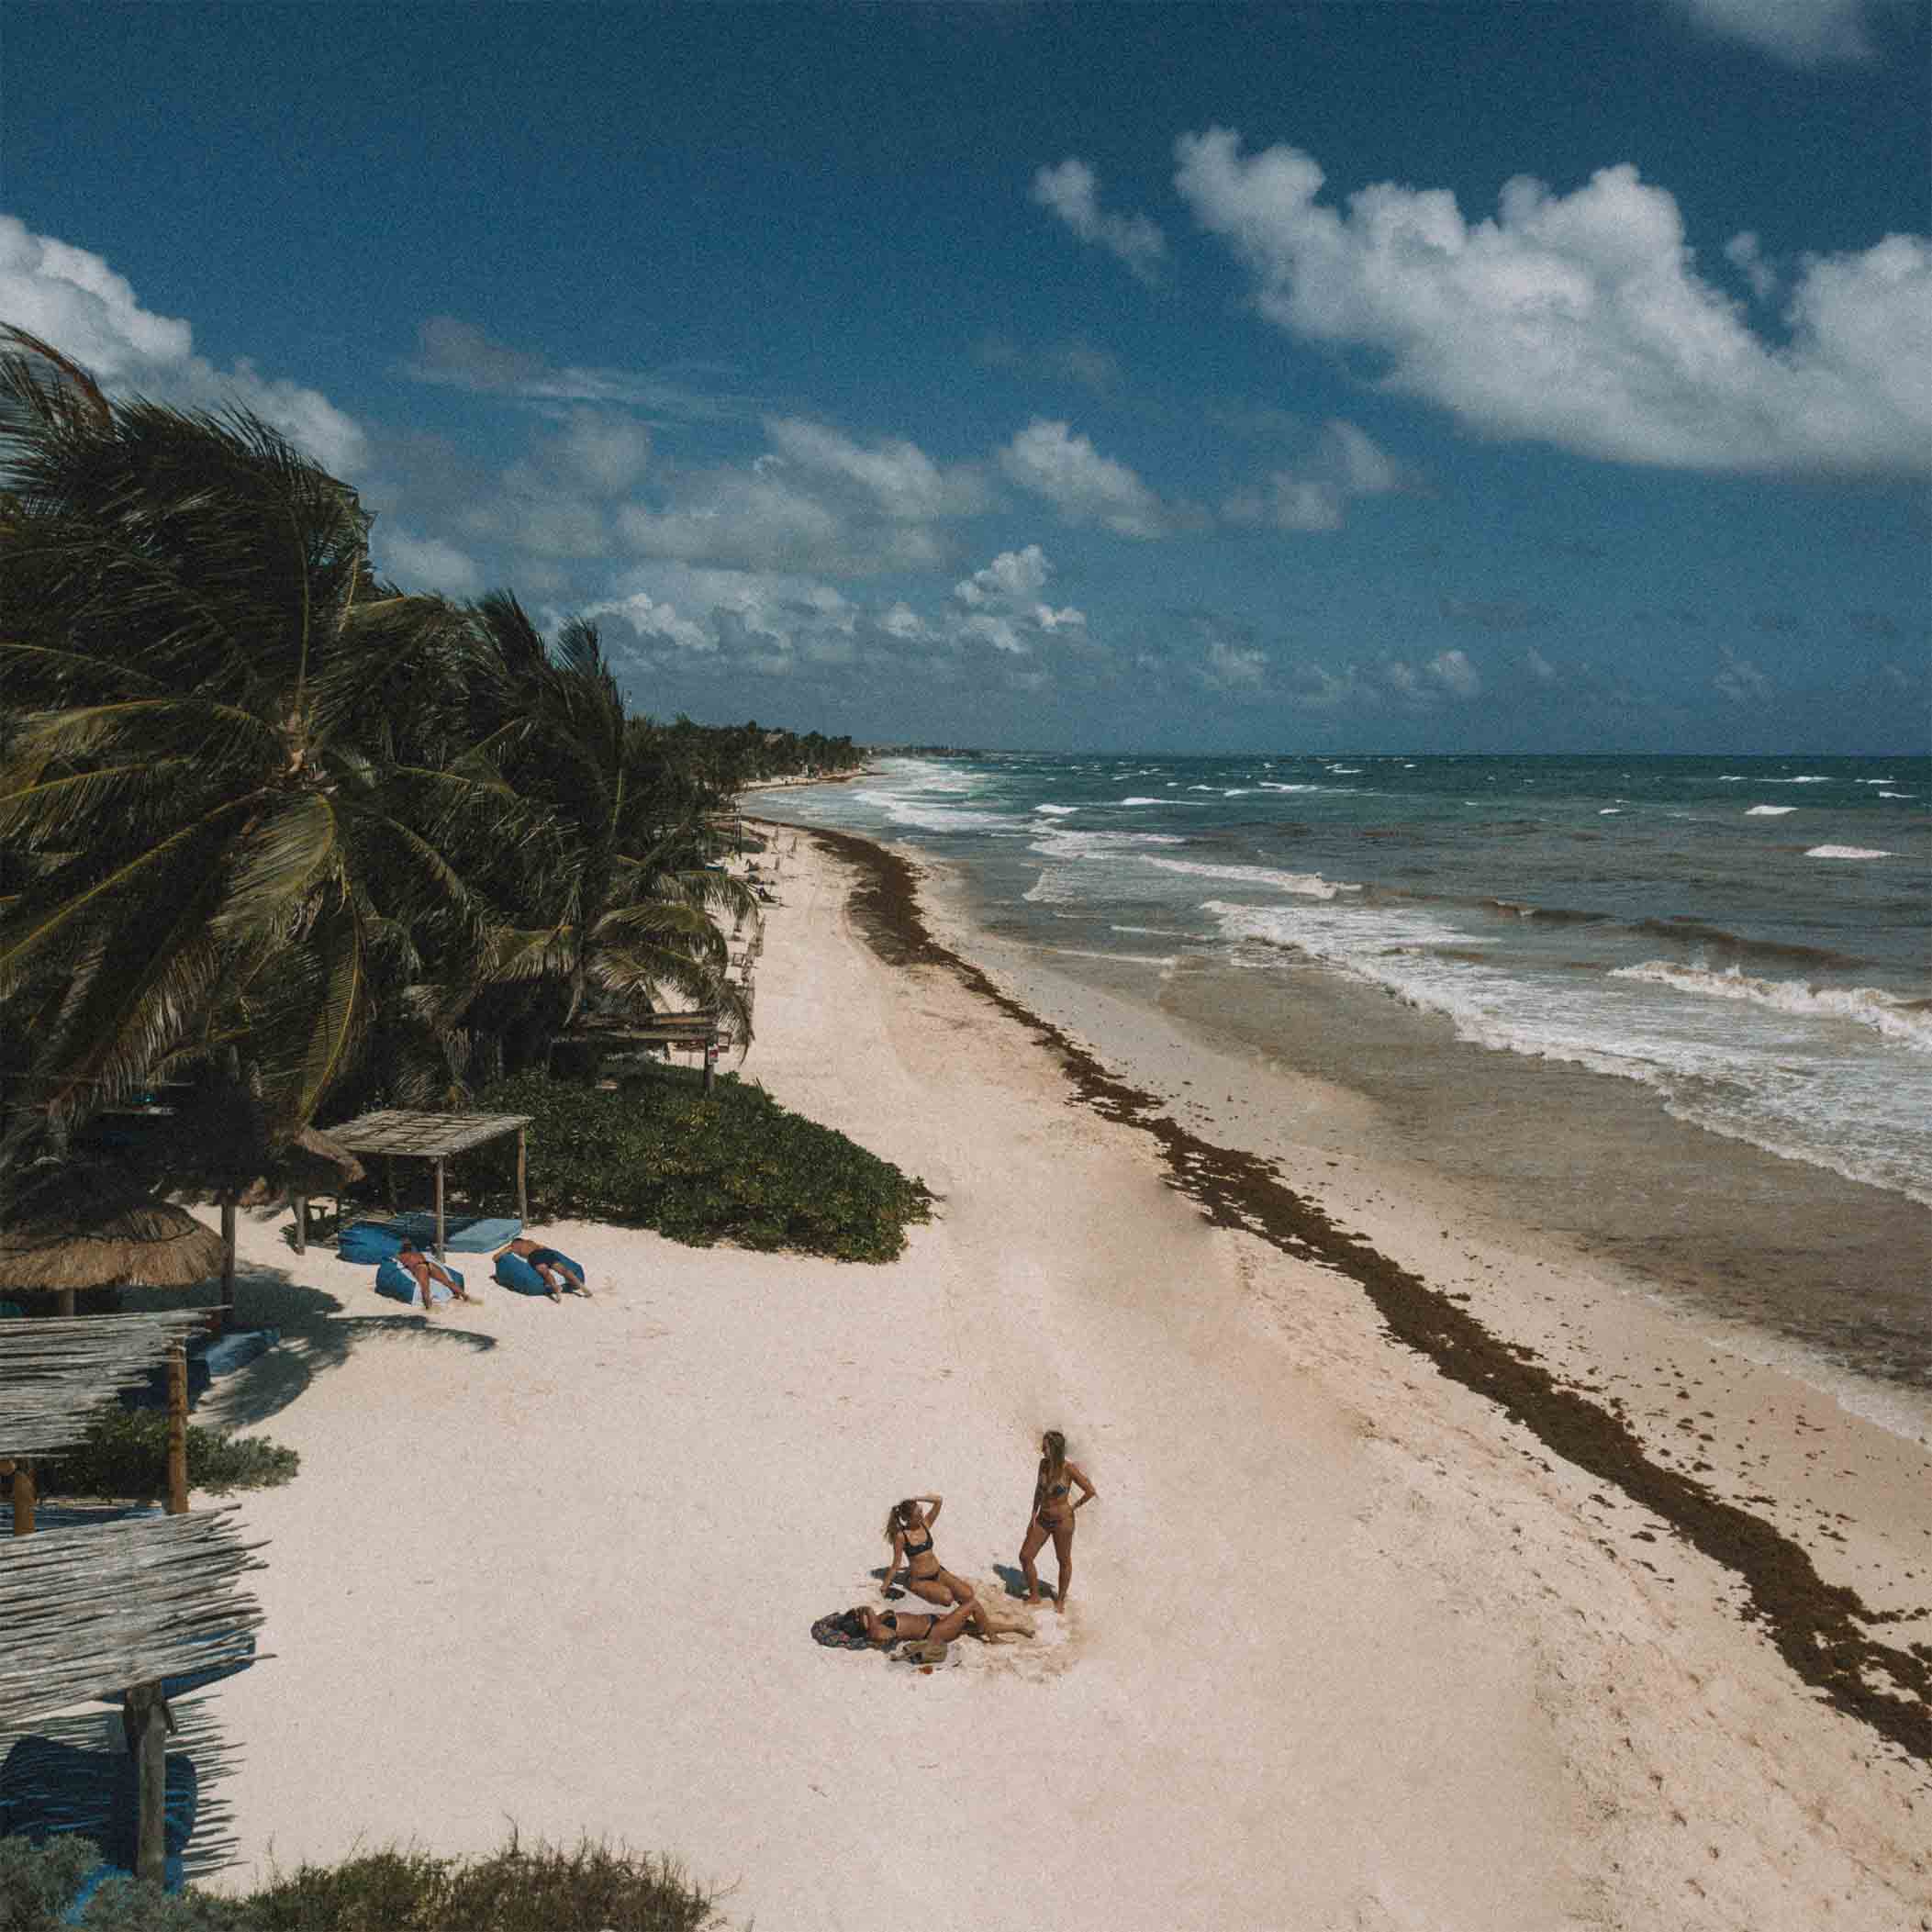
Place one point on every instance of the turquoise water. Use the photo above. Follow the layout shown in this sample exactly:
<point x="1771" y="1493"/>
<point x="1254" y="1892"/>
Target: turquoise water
<point x="1743" y="941"/>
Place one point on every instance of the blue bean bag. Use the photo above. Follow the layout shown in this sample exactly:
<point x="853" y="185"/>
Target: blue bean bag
<point x="392" y="1279"/>
<point x="515" y="1271"/>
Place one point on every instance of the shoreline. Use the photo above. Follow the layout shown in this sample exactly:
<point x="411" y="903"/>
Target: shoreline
<point x="1815" y="1626"/>
<point x="1328" y="1597"/>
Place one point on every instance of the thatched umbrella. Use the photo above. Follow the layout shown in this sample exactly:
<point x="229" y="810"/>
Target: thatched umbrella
<point x="72" y="1237"/>
<point x="311" y="1163"/>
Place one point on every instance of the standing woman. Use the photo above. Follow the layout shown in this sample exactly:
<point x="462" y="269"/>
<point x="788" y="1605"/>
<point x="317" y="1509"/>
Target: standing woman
<point x="1053" y="1515"/>
<point x="908" y="1529"/>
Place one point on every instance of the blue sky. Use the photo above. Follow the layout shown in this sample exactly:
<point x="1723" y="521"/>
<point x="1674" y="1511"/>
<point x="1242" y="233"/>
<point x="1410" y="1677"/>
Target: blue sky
<point x="1382" y="375"/>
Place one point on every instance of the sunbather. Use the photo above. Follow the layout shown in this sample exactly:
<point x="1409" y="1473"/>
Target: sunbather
<point x="541" y="1267"/>
<point x="887" y="1627"/>
<point x="908" y="1529"/>
<point x="425" y="1271"/>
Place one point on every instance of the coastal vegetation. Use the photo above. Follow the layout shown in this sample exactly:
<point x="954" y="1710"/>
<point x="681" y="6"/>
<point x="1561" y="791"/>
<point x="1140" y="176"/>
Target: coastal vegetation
<point x="512" y="1890"/>
<point x="277" y="836"/>
<point x="125" y="1454"/>
<point x="727" y="1166"/>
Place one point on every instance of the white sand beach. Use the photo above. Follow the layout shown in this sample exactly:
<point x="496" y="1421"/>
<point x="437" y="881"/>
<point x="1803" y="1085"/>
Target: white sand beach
<point x="1347" y="1648"/>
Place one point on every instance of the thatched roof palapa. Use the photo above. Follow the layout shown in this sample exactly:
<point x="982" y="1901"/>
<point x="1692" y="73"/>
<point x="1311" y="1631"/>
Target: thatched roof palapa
<point x="56" y="1376"/>
<point x="312" y="1163"/>
<point x="71" y="1243"/>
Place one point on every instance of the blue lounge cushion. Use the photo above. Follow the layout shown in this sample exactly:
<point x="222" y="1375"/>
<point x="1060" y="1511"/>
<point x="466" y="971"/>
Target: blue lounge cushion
<point x="368" y="1242"/>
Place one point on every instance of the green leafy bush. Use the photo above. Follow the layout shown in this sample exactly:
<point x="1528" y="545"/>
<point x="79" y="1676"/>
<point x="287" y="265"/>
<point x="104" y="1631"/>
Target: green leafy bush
<point x="547" y="1890"/>
<point x="125" y="1453"/>
<point x="731" y="1166"/>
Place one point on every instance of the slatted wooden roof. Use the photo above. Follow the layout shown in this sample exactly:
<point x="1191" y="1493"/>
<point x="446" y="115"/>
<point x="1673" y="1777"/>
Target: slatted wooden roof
<point x="427" y="1136"/>
<point x="54" y="1376"/>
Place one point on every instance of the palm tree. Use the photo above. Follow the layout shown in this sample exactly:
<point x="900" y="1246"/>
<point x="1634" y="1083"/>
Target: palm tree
<point x="627" y="907"/>
<point x="212" y="836"/>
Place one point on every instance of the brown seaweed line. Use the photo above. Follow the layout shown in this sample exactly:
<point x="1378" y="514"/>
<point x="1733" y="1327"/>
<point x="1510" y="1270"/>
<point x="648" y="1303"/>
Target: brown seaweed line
<point x="1813" y="1625"/>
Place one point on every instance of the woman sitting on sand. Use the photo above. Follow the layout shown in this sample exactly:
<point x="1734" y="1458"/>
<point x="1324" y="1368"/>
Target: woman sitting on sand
<point x="430" y="1277"/>
<point x="908" y="1529"/>
<point x="1052" y="1515"/>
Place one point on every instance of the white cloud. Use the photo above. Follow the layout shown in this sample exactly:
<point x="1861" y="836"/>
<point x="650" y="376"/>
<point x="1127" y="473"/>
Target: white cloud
<point x="1068" y="191"/>
<point x="607" y="454"/>
<point x="72" y="299"/>
<point x="1741" y="681"/>
<point x="1013" y="574"/>
<point x="1579" y="320"/>
<point x="1803" y="32"/>
<point x="1456" y="674"/>
<point x="1083" y="485"/>
<point x="1232" y="667"/>
<point x="1741" y="252"/>
<point x="423" y="563"/>
<point x="902" y="482"/>
<point x="1315" y="497"/>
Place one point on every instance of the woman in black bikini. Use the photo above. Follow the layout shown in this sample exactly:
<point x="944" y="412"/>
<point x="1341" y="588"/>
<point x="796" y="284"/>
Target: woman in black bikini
<point x="1052" y="1515"/>
<point x="908" y="1529"/>
<point x="887" y="1627"/>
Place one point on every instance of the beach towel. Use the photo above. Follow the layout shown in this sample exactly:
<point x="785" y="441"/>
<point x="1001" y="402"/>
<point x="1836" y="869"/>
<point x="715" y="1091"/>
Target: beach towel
<point x="368" y="1242"/>
<point x="392" y="1279"/>
<point x="826" y="1631"/>
<point x="518" y="1272"/>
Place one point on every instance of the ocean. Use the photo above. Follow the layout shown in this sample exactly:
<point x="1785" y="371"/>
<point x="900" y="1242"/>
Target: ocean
<point x="1679" y="1009"/>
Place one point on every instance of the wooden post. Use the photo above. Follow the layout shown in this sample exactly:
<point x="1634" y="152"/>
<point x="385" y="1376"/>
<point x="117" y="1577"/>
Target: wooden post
<point x="301" y="1206"/>
<point x="178" y="1430"/>
<point x="389" y="1180"/>
<point x="227" y="1261"/>
<point x="710" y="1062"/>
<point x="522" y="1173"/>
<point x="439" y="1214"/>
<point x="148" y="1721"/>
<point x="23" y="1497"/>
<point x="63" y="1301"/>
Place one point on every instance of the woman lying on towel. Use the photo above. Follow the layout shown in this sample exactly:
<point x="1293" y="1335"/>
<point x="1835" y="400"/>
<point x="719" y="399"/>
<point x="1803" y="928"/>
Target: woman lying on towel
<point x="908" y="1529"/>
<point x="887" y="1627"/>
<point x="535" y="1269"/>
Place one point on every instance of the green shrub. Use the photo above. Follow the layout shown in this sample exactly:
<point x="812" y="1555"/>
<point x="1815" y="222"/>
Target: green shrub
<point x="731" y="1166"/>
<point x="547" y="1890"/>
<point x="126" y="1454"/>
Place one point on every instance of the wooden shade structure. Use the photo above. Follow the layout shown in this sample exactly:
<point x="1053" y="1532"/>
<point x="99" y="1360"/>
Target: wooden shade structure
<point x="434" y="1137"/>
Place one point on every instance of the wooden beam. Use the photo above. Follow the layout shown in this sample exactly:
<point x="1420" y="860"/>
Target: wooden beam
<point x="522" y="1173"/>
<point x="301" y="1207"/>
<point x="438" y="1218"/>
<point x="227" y="1261"/>
<point x="149" y="1721"/>
<point x="178" y="1430"/>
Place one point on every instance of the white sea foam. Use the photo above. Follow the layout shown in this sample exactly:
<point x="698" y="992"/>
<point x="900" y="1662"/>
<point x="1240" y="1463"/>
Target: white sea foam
<point x="1877" y="781"/>
<point x="1868" y="1005"/>
<point x="1846" y="852"/>
<point x="1057" y="842"/>
<point x="1342" y="791"/>
<point x="1305" y="884"/>
<point x="1142" y="801"/>
<point x="1768" y="811"/>
<point x="1898" y="795"/>
<point x="1731" y="1068"/>
<point x="1609" y="812"/>
<point x="1056" y="811"/>
<point x="1345" y="770"/>
<point x="1733" y="778"/>
<point x="1237" y="791"/>
<point x="933" y="815"/>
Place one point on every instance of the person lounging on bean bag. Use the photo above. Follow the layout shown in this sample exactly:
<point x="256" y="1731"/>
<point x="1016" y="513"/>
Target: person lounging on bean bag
<point x="392" y="1279"/>
<point x="533" y="1270"/>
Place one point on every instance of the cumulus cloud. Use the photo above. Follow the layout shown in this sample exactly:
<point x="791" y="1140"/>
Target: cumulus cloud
<point x="1580" y="319"/>
<point x="900" y="481"/>
<point x="1002" y="608"/>
<point x="1315" y="495"/>
<point x="72" y="299"/>
<point x="1049" y="460"/>
<point x="417" y="563"/>
<point x="1013" y="573"/>
<point x="1805" y="33"/>
<point x="1386" y="684"/>
<point x="1069" y="191"/>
